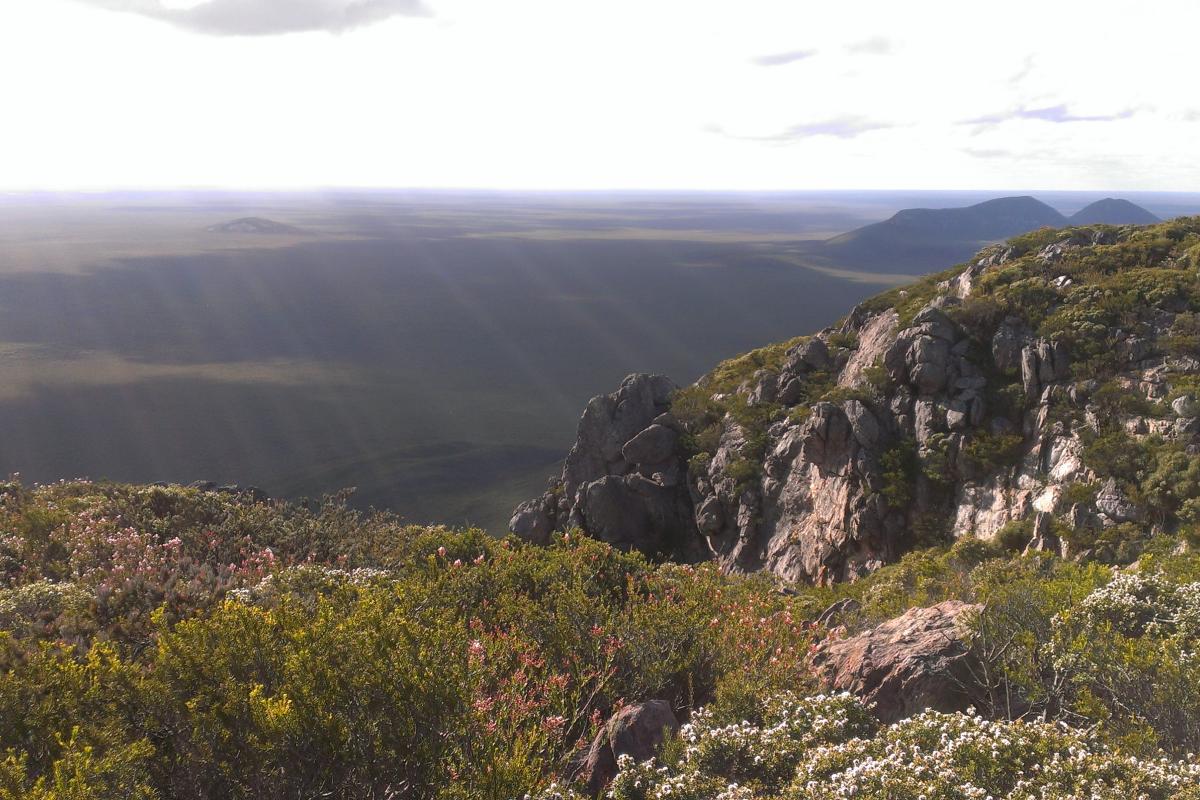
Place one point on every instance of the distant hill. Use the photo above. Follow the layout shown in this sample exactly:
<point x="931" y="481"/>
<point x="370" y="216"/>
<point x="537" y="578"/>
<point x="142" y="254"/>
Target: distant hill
<point x="918" y="240"/>
<point x="921" y="240"/>
<point x="253" y="225"/>
<point x="1113" y="211"/>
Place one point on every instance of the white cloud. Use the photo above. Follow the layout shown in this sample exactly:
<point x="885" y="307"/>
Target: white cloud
<point x="875" y="46"/>
<point x="266" y="17"/>
<point x="552" y="94"/>
<point x="842" y="127"/>
<point x="786" y="57"/>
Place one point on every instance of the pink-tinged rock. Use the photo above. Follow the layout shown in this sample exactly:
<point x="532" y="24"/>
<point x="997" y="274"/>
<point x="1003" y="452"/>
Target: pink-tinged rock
<point x="904" y="666"/>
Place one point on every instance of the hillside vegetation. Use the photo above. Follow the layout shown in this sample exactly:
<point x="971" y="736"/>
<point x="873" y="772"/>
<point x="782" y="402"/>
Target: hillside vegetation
<point x="166" y="642"/>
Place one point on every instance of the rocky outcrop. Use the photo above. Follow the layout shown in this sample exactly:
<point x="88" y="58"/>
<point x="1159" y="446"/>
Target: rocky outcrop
<point x="636" y="731"/>
<point x="624" y="481"/>
<point x="950" y="416"/>
<point x="1043" y="363"/>
<point x="909" y="664"/>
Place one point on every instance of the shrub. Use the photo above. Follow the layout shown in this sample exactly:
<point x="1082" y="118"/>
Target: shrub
<point x="828" y="746"/>
<point x="900" y="466"/>
<point x="847" y="340"/>
<point x="417" y="662"/>
<point x="1015" y="534"/>
<point x="1110" y="644"/>
<point x="988" y="452"/>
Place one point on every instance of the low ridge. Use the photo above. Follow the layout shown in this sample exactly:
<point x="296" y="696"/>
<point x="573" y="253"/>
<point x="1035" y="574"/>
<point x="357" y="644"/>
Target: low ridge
<point x="254" y="225"/>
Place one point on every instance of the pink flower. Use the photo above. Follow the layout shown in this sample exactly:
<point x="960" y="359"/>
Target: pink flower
<point x="442" y="552"/>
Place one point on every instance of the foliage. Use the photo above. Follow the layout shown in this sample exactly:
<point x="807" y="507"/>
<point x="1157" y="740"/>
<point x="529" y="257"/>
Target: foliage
<point x="847" y="340"/>
<point x="987" y="452"/>
<point x="828" y="746"/>
<point x="422" y="662"/>
<point x="899" y="465"/>
<point x="1128" y="656"/>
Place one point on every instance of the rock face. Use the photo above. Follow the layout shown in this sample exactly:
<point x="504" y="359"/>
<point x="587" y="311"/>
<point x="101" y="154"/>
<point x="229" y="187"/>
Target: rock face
<point x="906" y="665"/>
<point x="921" y="421"/>
<point x="636" y="731"/>
<point x="625" y="480"/>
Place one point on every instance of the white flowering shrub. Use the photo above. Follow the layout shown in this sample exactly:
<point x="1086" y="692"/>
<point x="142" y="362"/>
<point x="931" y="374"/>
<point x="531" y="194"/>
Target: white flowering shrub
<point x="1145" y="605"/>
<point x="965" y="757"/>
<point x="307" y="581"/>
<point x="824" y="747"/>
<point x="765" y="755"/>
<point x="1127" y="658"/>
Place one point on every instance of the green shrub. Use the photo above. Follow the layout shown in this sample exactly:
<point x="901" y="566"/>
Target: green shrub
<point x="900" y="466"/>
<point x="1078" y="492"/>
<point x="1014" y="535"/>
<point x="986" y="452"/>
<point x="848" y="340"/>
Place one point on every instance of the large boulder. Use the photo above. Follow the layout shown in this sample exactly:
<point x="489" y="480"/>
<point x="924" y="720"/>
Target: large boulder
<point x="609" y="422"/>
<point x="636" y="731"/>
<point x="906" y="665"/>
<point x="624" y="480"/>
<point x="534" y="520"/>
<point x="1115" y="506"/>
<point x="655" y="445"/>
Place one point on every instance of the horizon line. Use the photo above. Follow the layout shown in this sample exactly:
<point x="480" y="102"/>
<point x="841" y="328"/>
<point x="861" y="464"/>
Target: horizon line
<point x="350" y="188"/>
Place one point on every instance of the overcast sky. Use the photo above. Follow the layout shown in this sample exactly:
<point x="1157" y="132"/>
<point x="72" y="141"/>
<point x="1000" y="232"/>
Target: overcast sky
<point x="738" y="94"/>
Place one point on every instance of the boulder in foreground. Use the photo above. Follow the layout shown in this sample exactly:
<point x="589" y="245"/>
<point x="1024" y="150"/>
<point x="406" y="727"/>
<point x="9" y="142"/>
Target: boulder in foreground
<point x="636" y="731"/>
<point x="904" y="666"/>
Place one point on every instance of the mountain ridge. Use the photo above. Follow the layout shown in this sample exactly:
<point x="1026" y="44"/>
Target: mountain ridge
<point x="973" y="403"/>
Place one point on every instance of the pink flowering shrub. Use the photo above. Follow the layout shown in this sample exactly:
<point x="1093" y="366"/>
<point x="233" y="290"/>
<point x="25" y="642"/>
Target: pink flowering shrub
<point x="171" y="643"/>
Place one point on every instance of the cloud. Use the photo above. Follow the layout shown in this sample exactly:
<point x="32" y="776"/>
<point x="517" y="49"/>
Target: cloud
<point x="1023" y="72"/>
<point x="268" y="17"/>
<point x="875" y="46"/>
<point x="844" y="127"/>
<point x="1056" y="114"/>
<point x="988" y="152"/>
<point x="779" y="59"/>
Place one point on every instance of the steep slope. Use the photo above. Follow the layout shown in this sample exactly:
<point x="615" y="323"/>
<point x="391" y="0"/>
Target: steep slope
<point x="915" y="239"/>
<point x="1044" y="395"/>
<point x="1113" y="211"/>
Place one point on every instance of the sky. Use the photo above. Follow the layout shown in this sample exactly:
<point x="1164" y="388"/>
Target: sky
<point x="583" y="94"/>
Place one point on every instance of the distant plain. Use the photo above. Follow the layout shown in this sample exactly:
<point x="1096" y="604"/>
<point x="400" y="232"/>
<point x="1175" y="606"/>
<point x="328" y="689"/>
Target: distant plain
<point x="432" y="349"/>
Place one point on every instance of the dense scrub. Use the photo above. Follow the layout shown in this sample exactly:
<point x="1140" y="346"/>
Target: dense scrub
<point x="170" y="643"/>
